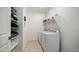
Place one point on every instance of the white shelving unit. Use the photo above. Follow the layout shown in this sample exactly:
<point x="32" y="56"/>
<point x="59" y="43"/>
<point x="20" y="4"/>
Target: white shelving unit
<point x="9" y="46"/>
<point x="14" y="45"/>
<point x="14" y="24"/>
<point x="6" y="44"/>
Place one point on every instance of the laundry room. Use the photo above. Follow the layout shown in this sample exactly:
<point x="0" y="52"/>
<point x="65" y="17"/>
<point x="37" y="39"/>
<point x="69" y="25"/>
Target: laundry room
<point x="39" y="29"/>
<point x="51" y="29"/>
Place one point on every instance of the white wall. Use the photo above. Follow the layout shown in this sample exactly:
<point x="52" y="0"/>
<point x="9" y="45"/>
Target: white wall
<point x="5" y="28"/>
<point x="68" y="21"/>
<point x="24" y="26"/>
<point x="5" y="20"/>
<point x="33" y="25"/>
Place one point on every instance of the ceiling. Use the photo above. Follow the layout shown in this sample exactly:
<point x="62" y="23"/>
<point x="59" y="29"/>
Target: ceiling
<point x="39" y="9"/>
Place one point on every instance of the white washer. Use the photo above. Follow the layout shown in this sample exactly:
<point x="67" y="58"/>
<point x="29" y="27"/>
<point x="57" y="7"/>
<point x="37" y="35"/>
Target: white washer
<point x="49" y="41"/>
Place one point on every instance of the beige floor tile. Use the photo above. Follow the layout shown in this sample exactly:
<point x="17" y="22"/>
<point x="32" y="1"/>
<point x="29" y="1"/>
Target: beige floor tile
<point x="33" y="46"/>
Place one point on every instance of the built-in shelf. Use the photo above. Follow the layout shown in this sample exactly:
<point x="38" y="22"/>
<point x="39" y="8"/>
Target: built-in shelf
<point x="9" y="46"/>
<point x="13" y="46"/>
<point x="14" y="23"/>
<point x="14" y="29"/>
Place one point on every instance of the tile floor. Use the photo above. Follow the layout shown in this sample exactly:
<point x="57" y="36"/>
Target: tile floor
<point x="33" y="46"/>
